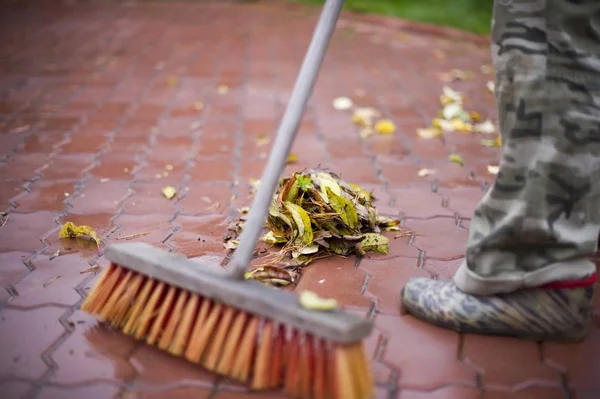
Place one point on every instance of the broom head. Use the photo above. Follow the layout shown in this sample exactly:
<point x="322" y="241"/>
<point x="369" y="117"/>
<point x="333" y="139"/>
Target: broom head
<point x="255" y="334"/>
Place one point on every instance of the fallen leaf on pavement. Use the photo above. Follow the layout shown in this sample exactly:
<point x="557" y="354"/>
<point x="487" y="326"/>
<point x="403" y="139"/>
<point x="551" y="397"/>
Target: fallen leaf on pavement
<point x="198" y="106"/>
<point x="486" y="127"/>
<point x="169" y="192"/>
<point x="385" y="126"/>
<point x="270" y="275"/>
<point x="70" y="230"/>
<point x="342" y="103"/>
<point x="310" y="300"/>
<point x="425" y="172"/>
<point x="491" y="86"/>
<point x="262" y="140"/>
<point x="457" y="159"/>
<point x="222" y="89"/>
<point x="493" y="169"/>
<point x="292" y="158"/>
<point x="429" y="133"/>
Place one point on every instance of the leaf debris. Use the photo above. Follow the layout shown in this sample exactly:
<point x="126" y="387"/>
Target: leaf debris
<point x="315" y="214"/>
<point x="70" y="230"/>
<point x="310" y="300"/>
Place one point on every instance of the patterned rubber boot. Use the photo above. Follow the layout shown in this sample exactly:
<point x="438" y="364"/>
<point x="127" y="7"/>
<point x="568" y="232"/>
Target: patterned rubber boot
<point x="548" y="313"/>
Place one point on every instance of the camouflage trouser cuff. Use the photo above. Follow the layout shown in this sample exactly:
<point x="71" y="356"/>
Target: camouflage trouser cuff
<point x="471" y="283"/>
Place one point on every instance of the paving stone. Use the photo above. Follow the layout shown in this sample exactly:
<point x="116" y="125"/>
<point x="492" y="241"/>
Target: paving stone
<point x="97" y="390"/>
<point x="436" y="349"/>
<point x="97" y="119"/>
<point x="507" y="362"/>
<point x="24" y="336"/>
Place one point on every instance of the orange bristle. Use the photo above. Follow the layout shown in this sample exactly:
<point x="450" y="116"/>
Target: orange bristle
<point x="228" y="341"/>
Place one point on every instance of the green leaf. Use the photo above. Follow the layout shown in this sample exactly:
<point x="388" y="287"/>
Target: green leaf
<point x="373" y="242"/>
<point x="344" y="208"/>
<point x="304" y="183"/>
<point x="302" y="221"/>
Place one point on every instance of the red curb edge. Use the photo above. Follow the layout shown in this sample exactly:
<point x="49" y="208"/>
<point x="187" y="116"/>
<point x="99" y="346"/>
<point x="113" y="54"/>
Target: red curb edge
<point x="385" y="22"/>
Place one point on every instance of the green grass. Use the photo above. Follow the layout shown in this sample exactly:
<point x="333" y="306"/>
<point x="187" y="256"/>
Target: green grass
<point x="469" y="15"/>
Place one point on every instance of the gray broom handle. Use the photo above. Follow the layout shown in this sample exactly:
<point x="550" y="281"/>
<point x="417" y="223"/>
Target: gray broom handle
<point x="286" y="132"/>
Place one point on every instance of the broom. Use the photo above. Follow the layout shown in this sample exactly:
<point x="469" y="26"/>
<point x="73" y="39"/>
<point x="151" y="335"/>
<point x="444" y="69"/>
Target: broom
<point x="239" y="328"/>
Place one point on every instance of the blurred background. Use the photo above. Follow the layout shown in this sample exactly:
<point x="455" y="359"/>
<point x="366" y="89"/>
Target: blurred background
<point x="469" y="15"/>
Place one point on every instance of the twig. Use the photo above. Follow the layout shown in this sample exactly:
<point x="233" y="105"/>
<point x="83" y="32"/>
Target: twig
<point x="133" y="236"/>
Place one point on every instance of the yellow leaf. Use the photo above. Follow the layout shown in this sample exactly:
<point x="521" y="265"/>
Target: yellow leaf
<point x="475" y="116"/>
<point x="342" y="103"/>
<point x="292" y="158"/>
<point x="385" y="126"/>
<point x="429" y="133"/>
<point x="498" y="141"/>
<point x="302" y="221"/>
<point x="262" y="139"/>
<point x="493" y="169"/>
<point x="425" y="172"/>
<point x="70" y="230"/>
<point x="310" y="300"/>
<point x="172" y="81"/>
<point x="222" y="89"/>
<point x="344" y="208"/>
<point x="169" y="192"/>
<point x="373" y="242"/>
<point x="457" y="159"/>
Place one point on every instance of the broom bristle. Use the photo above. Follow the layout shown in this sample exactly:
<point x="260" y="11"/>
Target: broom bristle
<point x="230" y="342"/>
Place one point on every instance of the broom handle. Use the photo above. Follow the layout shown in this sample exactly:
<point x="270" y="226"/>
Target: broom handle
<point x="286" y="132"/>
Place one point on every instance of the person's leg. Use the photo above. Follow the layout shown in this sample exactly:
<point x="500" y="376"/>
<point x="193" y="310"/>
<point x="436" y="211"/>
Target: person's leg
<point x="539" y="222"/>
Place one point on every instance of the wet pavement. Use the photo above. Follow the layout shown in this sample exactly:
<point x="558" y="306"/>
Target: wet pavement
<point x="99" y="97"/>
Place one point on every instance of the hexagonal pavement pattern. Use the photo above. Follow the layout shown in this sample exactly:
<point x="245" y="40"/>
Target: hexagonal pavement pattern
<point x="105" y="102"/>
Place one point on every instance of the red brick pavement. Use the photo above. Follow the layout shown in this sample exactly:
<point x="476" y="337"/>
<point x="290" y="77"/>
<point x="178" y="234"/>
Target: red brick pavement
<point x="97" y="99"/>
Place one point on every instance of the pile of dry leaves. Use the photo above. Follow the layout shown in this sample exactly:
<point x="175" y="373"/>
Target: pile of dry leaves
<point x="315" y="214"/>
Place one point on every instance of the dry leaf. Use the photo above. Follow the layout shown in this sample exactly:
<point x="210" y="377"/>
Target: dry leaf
<point x="385" y="126"/>
<point x="486" y="127"/>
<point x="429" y="133"/>
<point x="222" y="89"/>
<point x="425" y="172"/>
<point x="342" y="103"/>
<point x="70" y="230"/>
<point x="169" y="192"/>
<point x="364" y="116"/>
<point x="262" y="140"/>
<point x="490" y="86"/>
<point x="292" y="158"/>
<point x="270" y="275"/>
<point x="198" y="106"/>
<point x="457" y="159"/>
<point x="493" y="169"/>
<point x="310" y="300"/>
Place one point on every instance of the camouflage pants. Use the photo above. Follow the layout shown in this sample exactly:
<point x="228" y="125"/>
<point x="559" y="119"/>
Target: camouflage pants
<point x="540" y="220"/>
